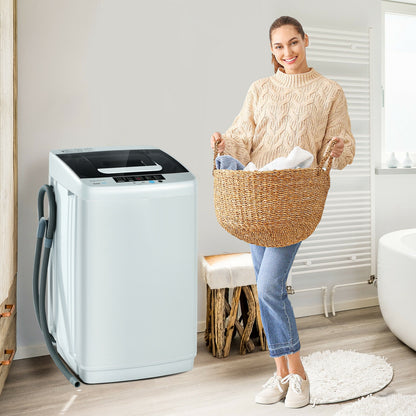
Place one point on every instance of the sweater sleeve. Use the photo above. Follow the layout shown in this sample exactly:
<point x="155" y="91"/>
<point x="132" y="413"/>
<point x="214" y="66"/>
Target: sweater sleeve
<point x="239" y="137"/>
<point x="339" y="125"/>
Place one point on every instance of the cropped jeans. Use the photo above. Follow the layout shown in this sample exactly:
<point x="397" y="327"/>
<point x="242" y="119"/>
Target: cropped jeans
<point x="272" y="266"/>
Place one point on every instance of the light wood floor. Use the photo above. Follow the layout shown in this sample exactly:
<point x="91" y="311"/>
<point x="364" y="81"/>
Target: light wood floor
<point x="214" y="387"/>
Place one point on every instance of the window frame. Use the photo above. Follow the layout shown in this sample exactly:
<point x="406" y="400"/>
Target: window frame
<point x="408" y="8"/>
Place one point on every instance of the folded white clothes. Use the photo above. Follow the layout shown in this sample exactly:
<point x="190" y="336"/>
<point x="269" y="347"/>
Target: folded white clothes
<point x="297" y="158"/>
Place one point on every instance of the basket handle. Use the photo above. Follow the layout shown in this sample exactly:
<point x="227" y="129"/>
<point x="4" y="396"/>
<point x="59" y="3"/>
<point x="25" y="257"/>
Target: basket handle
<point x="215" y="155"/>
<point x="327" y="154"/>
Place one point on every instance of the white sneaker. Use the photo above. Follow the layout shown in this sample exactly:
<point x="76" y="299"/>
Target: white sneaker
<point x="298" y="392"/>
<point x="273" y="391"/>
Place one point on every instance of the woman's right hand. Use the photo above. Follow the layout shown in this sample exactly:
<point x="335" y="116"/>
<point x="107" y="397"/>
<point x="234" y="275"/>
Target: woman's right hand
<point x="216" y="137"/>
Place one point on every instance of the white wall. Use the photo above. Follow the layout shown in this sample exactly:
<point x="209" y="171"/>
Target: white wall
<point x="165" y="72"/>
<point x="395" y="202"/>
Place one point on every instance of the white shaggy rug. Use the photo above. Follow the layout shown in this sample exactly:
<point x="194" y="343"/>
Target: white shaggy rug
<point x="336" y="376"/>
<point x="391" y="405"/>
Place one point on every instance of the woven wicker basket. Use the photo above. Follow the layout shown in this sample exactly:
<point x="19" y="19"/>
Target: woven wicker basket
<point x="272" y="208"/>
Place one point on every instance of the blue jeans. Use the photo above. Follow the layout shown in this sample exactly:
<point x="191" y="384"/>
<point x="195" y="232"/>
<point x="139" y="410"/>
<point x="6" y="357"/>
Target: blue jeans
<point x="272" y="266"/>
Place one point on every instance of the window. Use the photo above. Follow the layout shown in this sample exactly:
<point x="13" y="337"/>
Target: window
<point x="399" y="80"/>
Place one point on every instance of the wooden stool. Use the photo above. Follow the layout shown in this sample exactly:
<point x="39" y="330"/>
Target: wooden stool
<point x="231" y="290"/>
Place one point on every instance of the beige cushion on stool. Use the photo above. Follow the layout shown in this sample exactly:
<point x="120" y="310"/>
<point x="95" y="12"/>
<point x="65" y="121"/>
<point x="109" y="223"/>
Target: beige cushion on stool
<point x="221" y="273"/>
<point x="228" y="270"/>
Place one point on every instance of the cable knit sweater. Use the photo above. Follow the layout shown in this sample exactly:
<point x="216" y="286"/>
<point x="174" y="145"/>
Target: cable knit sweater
<point x="288" y="110"/>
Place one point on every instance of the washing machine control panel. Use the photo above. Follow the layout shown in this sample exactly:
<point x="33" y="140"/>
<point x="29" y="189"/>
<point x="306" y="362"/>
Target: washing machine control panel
<point x="139" y="178"/>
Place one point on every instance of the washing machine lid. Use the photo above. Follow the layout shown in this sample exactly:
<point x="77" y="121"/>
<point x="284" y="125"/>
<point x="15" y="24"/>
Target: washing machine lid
<point x="119" y="162"/>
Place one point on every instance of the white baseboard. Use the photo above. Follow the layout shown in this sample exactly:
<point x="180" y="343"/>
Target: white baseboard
<point x="201" y="326"/>
<point x="38" y="350"/>
<point x="339" y="306"/>
<point x="318" y="309"/>
<point x="31" y="351"/>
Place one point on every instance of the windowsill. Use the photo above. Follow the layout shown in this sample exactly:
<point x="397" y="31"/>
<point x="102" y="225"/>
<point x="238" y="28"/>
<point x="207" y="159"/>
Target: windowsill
<point x="395" y="171"/>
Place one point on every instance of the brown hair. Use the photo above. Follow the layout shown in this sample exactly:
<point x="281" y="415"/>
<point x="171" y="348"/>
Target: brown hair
<point x="279" y="22"/>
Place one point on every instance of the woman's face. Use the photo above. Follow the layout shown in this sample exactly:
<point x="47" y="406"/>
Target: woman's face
<point x="289" y="49"/>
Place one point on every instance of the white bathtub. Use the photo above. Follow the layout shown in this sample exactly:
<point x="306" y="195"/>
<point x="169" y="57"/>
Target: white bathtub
<point x="396" y="283"/>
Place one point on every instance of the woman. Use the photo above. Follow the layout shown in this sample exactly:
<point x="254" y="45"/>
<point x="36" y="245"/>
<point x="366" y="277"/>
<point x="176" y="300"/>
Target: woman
<point x="295" y="107"/>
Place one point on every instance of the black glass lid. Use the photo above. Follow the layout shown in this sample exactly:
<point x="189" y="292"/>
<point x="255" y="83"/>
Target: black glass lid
<point x="121" y="162"/>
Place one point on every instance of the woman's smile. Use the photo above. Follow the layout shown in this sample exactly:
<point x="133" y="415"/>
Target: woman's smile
<point x="291" y="60"/>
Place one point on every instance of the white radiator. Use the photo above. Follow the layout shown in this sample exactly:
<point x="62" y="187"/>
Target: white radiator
<point x="344" y="238"/>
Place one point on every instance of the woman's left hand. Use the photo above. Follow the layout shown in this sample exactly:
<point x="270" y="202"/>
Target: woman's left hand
<point x="338" y="148"/>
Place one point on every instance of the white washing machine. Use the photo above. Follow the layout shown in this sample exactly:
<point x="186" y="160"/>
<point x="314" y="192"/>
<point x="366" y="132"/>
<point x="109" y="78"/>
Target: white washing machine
<point x="121" y="301"/>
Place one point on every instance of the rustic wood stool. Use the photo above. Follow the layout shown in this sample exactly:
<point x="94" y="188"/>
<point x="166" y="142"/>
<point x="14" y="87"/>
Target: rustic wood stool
<point x="232" y="303"/>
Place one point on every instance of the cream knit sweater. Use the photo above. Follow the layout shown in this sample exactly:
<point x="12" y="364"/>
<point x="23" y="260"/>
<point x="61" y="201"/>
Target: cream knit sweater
<point x="284" y="111"/>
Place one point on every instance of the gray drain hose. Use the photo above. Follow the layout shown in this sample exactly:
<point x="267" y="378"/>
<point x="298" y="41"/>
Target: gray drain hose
<point x="46" y="230"/>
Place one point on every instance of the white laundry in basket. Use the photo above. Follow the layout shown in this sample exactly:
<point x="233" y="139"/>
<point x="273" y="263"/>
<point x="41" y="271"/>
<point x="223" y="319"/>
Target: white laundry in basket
<point x="297" y="158"/>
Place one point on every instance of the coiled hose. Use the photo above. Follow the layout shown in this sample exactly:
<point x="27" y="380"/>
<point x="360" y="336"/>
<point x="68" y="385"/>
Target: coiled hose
<point x="45" y="233"/>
